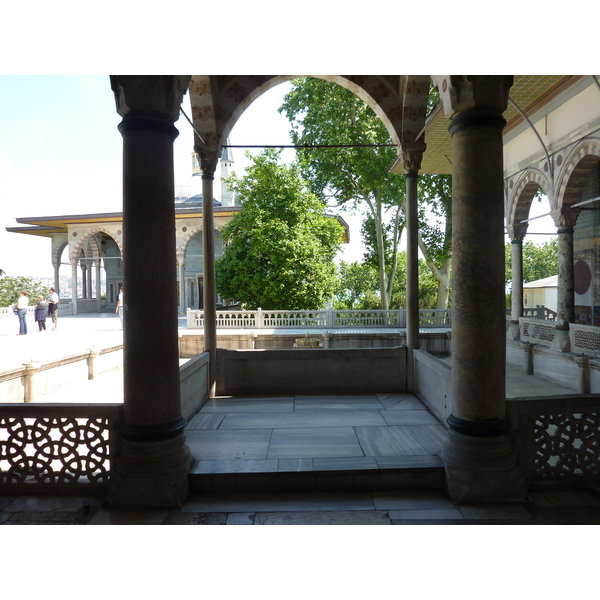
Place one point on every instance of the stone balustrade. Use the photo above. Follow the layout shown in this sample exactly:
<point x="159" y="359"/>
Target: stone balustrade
<point x="319" y="319"/>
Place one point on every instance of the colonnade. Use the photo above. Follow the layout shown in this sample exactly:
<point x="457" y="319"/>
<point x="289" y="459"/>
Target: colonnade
<point x="153" y="460"/>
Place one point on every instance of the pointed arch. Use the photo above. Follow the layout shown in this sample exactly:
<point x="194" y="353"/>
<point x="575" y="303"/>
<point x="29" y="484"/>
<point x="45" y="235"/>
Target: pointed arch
<point x="77" y="250"/>
<point x="577" y="167"/>
<point x="519" y="201"/>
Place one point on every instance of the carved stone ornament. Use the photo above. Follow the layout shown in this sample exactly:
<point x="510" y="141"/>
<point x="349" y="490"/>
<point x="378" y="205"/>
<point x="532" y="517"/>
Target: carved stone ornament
<point x="565" y="218"/>
<point x="156" y="95"/>
<point x="516" y="232"/>
<point x="412" y="158"/>
<point x="464" y="92"/>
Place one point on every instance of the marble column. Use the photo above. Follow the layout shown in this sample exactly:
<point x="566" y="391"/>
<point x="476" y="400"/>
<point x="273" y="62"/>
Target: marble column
<point x="412" y="162"/>
<point x="74" y="286"/>
<point x="181" y="276"/>
<point x="98" y="286"/>
<point x="516" y="235"/>
<point x="479" y="456"/>
<point x="152" y="464"/>
<point x="57" y="280"/>
<point x="89" y="280"/>
<point x="565" y="221"/>
<point x="208" y="273"/>
<point x="83" y="281"/>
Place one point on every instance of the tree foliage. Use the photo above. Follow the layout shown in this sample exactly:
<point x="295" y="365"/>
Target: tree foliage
<point x="322" y="113"/>
<point x="326" y="114"/>
<point x="10" y="288"/>
<point x="539" y="260"/>
<point x="279" y="249"/>
<point x="358" y="286"/>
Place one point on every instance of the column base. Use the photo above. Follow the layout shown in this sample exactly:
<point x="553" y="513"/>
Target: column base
<point x="482" y="469"/>
<point x="513" y="333"/>
<point x="150" y="474"/>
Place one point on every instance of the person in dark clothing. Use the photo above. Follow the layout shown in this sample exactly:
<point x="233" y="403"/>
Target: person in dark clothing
<point x="40" y="313"/>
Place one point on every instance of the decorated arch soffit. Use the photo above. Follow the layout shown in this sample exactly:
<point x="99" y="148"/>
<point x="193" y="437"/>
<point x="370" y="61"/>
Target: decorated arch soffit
<point x="575" y="170"/>
<point x="91" y="240"/>
<point x="58" y="246"/>
<point x="182" y="247"/>
<point x="520" y="194"/>
<point x="217" y="102"/>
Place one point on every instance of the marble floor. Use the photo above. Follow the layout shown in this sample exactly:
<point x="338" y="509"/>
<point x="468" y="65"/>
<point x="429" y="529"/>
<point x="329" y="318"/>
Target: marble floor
<point x="397" y="507"/>
<point x="313" y="433"/>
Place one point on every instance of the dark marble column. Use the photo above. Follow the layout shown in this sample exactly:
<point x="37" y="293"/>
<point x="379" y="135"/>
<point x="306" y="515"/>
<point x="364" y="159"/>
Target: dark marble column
<point x="208" y="274"/>
<point x="565" y="221"/>
<point x="480" y="461"/>
<point x="152" y="464"/>
<point x="412" y="163"/>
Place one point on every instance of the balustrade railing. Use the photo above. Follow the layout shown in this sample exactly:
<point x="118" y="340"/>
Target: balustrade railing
<point x="318" y="319"/>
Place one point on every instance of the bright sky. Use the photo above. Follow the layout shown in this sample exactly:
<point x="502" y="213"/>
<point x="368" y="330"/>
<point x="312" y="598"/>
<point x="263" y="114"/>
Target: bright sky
<point x="61" y="153"/>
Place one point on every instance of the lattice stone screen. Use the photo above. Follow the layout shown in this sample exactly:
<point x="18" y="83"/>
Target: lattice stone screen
<point x="559" y="440"/>
<point x="56" y="445"/>
<point x="537" y="332"/>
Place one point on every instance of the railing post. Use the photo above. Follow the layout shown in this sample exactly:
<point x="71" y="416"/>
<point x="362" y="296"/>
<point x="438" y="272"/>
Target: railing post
<point x="91" y="362"/>
<point x="528" y="350"/>
<point x="584" y="374"/>
<point x="252" y="337"/>
<point x="29" y="381"/>
<point x="188" y="317"/>
<point x="330" y="321"/>
<point x="259" y="319"/>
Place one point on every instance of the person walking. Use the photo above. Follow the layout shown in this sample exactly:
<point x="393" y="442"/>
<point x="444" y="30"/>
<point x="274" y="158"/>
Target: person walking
<point x="40" y="313"/>
<point x="53" y="307"/>
<point x="119" y="308"/>
<point x="22" y="304"/>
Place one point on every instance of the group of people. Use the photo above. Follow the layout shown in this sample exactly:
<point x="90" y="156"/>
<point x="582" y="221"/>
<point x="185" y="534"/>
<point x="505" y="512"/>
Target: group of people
<point x="41" y="308"/>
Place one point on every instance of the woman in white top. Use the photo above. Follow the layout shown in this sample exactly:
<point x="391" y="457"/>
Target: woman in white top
<point x="22" y="305"/>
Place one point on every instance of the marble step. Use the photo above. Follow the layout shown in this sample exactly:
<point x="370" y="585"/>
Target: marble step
<point x="388" y="473"/>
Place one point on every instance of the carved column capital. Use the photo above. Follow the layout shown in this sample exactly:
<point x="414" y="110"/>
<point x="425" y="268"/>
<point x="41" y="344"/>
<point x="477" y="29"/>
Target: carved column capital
<point x="209" y="159"/>
<point x="460" y="93"/>
<point x="412" y="158"/>
<point x="565" y="218"/>
<point x="149" y="97"/>
<point x="516" y="233"/>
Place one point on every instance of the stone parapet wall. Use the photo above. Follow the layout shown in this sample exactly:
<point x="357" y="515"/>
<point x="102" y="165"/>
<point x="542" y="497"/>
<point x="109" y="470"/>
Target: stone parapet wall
<point x="437" y="342"/>
<point x="311" y="371"/>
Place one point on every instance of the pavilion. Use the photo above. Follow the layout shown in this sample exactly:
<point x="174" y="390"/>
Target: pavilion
<point x="502" y="138"/>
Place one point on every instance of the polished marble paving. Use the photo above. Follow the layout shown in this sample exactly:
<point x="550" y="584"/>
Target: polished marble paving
<point x="323" y="432"/>
<point x="397" y="507"/>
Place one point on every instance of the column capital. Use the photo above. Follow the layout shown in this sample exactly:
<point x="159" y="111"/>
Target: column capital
<point x="155" y="98"/>
<point x="565" y="218"/>
<point x="412" y="158"/>
<point x="209" y="159"/>
<point x="516" y="233"/>
<point x="460" y="93"/>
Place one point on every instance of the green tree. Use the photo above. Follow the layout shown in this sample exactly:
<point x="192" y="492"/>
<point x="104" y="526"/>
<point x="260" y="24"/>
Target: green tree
<point x="539" y="260"/>
<point x="325" y="114"/>
<point x="10" y="288"/>
<point x="357" y="285"/>
<point x="435" y="231"/>
<point x="279" y="249"/>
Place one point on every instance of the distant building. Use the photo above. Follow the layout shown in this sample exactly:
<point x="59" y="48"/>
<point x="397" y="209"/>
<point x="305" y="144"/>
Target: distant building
<point x="95" y="243"/>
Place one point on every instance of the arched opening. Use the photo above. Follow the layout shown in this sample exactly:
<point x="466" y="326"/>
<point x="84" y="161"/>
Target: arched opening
<point x="586" y="247"/>
<point x="193" y="270"/>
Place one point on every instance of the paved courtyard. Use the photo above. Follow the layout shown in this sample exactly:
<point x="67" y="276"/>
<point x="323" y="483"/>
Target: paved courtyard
<point x="300" y="433"/>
